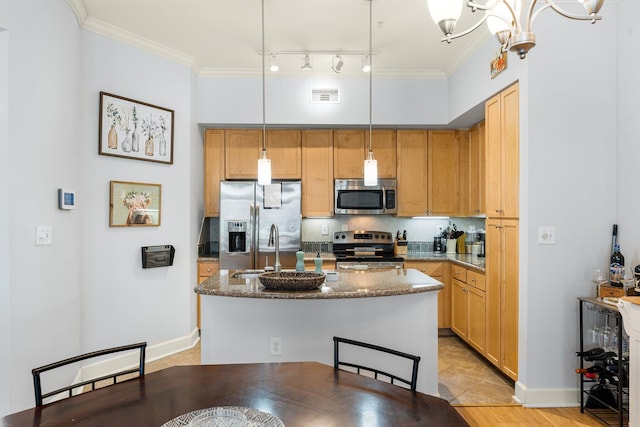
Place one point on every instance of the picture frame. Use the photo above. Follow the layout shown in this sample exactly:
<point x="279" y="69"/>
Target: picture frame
<point x="135" y="204"/>
<point x="135" y="130"/>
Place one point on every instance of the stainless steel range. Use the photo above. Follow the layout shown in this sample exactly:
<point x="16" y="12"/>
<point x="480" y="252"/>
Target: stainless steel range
<point x="364" y="249"/>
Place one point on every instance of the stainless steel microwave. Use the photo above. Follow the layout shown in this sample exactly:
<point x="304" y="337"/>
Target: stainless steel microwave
<point x="352" y="197"/>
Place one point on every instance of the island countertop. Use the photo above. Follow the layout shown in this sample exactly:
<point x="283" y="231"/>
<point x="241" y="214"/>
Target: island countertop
<point x="350" y="284"/>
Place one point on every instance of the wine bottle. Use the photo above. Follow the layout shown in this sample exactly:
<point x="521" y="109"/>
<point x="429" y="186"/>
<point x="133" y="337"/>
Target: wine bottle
<point x="596" y="351"/>
<point x="616" y="271"/>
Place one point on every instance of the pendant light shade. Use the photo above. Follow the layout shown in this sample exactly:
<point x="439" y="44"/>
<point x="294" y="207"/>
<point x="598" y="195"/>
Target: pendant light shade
<point x="264" y="169"/>
<point x="370" y="164"/>
<point x="264" y="164"/>
<point x="370" y="170"/>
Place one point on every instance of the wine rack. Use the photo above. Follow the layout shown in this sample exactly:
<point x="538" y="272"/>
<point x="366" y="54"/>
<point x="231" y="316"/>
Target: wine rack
<point x="604" y="388"/>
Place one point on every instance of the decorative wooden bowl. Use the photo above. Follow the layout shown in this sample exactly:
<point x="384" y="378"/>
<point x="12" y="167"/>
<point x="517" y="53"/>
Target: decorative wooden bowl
<point x="291" y="280"/>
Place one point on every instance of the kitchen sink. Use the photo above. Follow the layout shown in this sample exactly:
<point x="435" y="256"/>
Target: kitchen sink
<point x="245" y="274"/>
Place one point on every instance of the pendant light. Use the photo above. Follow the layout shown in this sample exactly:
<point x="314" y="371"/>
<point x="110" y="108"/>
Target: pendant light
<point x="370" y="164"/>
<point x="264" y="164"/>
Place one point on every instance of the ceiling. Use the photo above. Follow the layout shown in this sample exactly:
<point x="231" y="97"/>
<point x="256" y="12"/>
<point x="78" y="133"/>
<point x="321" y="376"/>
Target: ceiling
<point x="223" y="37"/>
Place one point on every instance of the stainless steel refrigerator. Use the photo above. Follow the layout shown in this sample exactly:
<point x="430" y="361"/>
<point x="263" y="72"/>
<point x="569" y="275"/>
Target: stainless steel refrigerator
<point x="247" y="211"/>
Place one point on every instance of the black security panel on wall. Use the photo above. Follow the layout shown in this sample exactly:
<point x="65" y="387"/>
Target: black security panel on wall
<point x="157" y="256"/>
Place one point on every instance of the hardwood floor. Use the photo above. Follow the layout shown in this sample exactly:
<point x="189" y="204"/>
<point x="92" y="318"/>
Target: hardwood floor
<point x="486" y="386"/>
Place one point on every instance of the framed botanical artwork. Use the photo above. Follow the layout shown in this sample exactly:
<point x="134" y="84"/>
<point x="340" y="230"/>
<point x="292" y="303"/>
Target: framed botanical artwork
<point x="135" y="130"/>
<point x="134" y="204"/>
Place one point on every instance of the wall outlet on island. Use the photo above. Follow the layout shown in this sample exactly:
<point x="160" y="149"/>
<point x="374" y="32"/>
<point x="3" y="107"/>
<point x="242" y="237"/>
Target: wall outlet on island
<point x="275" y="346"/>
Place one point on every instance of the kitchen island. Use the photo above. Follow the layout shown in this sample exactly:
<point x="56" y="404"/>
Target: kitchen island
<point x="241" y="322"/>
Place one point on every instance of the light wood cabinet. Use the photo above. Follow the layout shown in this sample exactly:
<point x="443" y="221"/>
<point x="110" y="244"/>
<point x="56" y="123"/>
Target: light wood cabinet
<point x="317" y="173"/>
<point x="468" y="306"/>
<point x="383" y="142"/>
<point x="351" y="148"/>
<point x="476" y="179"/>
<point x="428" y="177"/>
<point x="243" y="147"/>
<point x="502" y="294"/>
<point x="284" y="148"/>
<point x="348" y="153"/>
<point x="439" y="271"/>
<point x="412" y="177"/>
<point x="213" y="170"/>
<point x="205" y="270"/>
<point x="502" y="154"/>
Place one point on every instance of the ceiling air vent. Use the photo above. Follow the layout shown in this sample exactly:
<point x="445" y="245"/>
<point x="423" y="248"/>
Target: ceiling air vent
<point x="325" y="96"/>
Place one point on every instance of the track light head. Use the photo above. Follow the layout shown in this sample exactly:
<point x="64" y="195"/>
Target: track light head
<point x="306" y="62"/>
<point x="337" y="64"/>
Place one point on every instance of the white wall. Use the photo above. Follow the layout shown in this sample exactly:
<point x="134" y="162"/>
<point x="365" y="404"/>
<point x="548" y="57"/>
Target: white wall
<point x="395" y="102"/>
<point x="88" y="289"/>
<point x="121" y="301"/>
<point x="628" y="93"/>
<point x="44" y="281"/>
<point x="5" y="294"/>
<point x="571" y="163"/>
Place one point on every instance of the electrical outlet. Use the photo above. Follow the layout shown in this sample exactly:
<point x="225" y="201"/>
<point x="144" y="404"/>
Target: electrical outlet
<point x="546" y="235"/>
<point x="275" y="346"/>
<point x="325" y="229"/>
<point x="345" y="227"/>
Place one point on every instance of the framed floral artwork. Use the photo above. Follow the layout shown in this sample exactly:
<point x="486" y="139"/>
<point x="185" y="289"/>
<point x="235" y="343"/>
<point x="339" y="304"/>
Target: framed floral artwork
<point x="135" y="130"/>
<point x="134" y="204"/>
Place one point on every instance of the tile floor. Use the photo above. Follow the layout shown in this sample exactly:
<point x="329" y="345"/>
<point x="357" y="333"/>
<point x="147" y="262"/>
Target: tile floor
<point x="464" y="377"/>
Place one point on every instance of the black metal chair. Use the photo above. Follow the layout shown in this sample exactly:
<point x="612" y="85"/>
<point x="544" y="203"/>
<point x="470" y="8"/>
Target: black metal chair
<point x="37" y="385"/>
<point x="337" y="362"/>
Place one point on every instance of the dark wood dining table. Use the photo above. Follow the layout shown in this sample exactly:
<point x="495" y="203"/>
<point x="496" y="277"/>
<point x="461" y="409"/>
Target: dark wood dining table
<point x="298" y="393"/>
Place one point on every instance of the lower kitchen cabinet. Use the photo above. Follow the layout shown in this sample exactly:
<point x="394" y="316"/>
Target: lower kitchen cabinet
<point x="439" y="271"/>
<point x="205" y="270"/>
<point x="468" y="306"/>
<point x="502" y="294"/>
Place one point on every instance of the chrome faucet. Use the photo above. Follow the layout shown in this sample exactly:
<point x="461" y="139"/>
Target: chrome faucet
<point x="274" y="238"/>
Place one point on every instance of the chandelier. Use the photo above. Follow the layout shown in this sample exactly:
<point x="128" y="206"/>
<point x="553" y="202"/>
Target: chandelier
<point x="503" y="17"/>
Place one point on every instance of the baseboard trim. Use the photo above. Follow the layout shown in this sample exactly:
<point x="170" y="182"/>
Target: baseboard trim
<point x="546" y="397"/>
<point x="129" y="360"/>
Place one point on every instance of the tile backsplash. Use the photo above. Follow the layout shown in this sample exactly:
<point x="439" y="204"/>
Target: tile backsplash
<point x="420" y="231"/>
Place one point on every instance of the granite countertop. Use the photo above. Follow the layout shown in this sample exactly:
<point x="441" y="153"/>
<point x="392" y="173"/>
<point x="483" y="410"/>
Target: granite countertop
<point x="350" y="284"/>
<point x="467" y="260"/>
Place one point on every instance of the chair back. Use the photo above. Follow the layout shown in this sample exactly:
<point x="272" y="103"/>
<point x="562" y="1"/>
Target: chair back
<point x="337" y="362"/>
<point x="36" y="372"/>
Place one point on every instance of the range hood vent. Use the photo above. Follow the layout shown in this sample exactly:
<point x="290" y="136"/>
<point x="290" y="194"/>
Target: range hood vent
<point x="325" y="96"/>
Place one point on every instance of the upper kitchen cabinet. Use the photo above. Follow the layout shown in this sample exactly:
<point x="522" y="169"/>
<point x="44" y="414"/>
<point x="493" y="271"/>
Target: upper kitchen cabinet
<point x="213" y="170"/>
<point x="502" y="143"/>
<point x="383" y="142"/>
<point x="283" y="148"/>
<point x="240" y="146"/>
<point x="348" y="153"/>
<point x="317" y="173"/>
<point x="443" y="172"/>
<point x="428" y="172"/>
<point x="412" y="173"/>
<point x="351" y="147"/>
<point x="476" y="170"/>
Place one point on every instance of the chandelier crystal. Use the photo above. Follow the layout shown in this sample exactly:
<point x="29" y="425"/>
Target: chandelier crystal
<point x="505" y="19"/>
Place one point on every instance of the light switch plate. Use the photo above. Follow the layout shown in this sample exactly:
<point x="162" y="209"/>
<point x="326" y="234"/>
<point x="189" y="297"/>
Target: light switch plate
<point x="44" y="235"/>
<point x="546" y="235"/>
